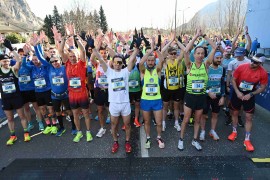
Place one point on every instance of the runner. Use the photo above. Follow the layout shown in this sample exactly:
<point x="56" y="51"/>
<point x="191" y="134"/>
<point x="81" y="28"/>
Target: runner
<point x="10" y="93"/>
<point x="151" y="97"/>
<point x="246" y="79"/>
<point x="117" y="79"/>
<point x="78" y="93"/>
<point x="195" y="96"/>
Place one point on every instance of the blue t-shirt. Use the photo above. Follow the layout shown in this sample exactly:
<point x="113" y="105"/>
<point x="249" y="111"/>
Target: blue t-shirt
<point x="26" y="82"/>
<point x="59" y="82"/>
<point x="215" y="80"/>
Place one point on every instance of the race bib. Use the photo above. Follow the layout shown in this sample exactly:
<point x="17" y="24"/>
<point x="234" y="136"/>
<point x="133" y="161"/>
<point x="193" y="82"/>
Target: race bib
<point x="245" y="86"/>
<point x="151" y="89"/>
<point x="24" y="79"/>
<point x="118" y="84"/>
<point x="198" y="85"/>
<point x="58" y="80"/>
<point x="215" y="90"/>
<point x="75" y="83"/>
<point x="9" y="87"/>
<point x="173" y="81"/>
<point x="102" y="80"/>
<point x="40" y="83"/>
<point x="133" y="84"/>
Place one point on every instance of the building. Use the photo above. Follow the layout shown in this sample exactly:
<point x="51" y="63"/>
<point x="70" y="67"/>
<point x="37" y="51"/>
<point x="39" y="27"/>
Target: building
<point x="257" y="20"/>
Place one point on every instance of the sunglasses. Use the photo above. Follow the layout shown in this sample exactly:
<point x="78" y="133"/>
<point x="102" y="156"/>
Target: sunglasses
<point x="118" y="62"/>
<point x="173" y="53"/>
<point x="54" y="61"/>
<point x="255" y="62"/>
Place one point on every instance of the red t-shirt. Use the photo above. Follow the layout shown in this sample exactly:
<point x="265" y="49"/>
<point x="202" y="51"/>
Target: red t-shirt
<point x="76" y="74"/>
<point x="247" y="78"/>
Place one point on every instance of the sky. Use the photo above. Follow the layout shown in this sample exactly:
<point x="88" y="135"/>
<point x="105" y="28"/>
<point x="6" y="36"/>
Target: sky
<point x="123" y="15"/>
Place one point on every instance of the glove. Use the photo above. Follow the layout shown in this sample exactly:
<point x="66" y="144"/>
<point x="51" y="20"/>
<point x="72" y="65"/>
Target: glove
<point x="136" y="33"/>
<point x="179" y="39"/>
<point x="90" y="41"/>
<point x="8" y="45"/>
<point x="138" y="42"/>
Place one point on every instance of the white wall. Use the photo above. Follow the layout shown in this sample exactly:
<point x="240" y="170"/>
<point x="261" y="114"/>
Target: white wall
<point x="258" y="21"/>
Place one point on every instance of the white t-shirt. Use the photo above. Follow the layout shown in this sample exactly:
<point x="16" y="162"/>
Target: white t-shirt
<point x="118" y="85"/>
<point x="235" y="63"/>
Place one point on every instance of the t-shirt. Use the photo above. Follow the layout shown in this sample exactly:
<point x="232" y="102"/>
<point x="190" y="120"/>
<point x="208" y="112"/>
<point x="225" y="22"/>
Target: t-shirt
<point x="247" y="78"/>
<point x="76" y="76"/>
<point x="235" y="63"/>
<point x="118" y="85"/>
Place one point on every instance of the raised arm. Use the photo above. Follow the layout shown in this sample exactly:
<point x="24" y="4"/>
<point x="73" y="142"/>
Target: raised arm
<point x="132" y="59"/>
<point x="101" y="60"/>
<point x="62" y="51"/>
<point x="235" y="39"/>
<point x="248" y="39"/>
<point x="165" y="48"/>
<point x="191" y="43"/>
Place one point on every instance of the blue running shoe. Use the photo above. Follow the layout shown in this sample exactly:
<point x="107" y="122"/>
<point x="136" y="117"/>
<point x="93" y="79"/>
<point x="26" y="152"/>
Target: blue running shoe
<point x="73" y="131"/>
<point x="40" y="126"/>
<point x="96" y="118"/>
<point x="30" y="126"/>
<point x="108" y="120"/>
<point x="60" y="132"/>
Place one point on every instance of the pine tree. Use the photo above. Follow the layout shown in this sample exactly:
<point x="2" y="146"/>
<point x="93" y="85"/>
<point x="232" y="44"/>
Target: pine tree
<point x="57" y="20"/>
<point x="47" y="27"/>
<point x="103" y="21"/>
<point x="96" y="20"/>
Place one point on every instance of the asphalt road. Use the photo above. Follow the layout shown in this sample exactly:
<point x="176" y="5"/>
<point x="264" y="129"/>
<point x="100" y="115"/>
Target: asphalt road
<point x="48" y="147"/>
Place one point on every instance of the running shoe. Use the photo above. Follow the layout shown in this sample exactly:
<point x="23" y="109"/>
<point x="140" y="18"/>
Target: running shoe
<point x="89" y="137"/>
<point x="60" y="132"/>
<point x="163" y="126"/>
<point x="123" y="128"/>
<point x="128" y="147"/>
<point x="160" y="142"/>
<point x="27" y="137"/>
<point x="202" y="136"/>
<point x="78" y="137"/>
<point x="30" y="126"/>
<point x="191" y="122"/>
<point x="232" y="136"/>
<point x="137" y="123"/>
<point x="91" y="116"/>
<point x="196" y="144"/>
<point x="101" y="132"/>
<point x="115" y="147"/>
<point x="73" y="131"/>
<point x="214" y="135"/>
<point x="40" y="126"/>
<point x="177" y="127"/>
<point x="248" y="145"/>
<point x="11" y="140"/>
<point x="154" y="121"/>
<point x="96" y="118"/>
<point x="47" y="130"/>
<point x="54" y="130"/>
<point x="228" y="121"/>
<point x="108" y="120"/>
<point x="240" y="122"/>
<point x="180" y="145"/>
<point x="68" y="118"/>
<point x="147" y="144"/>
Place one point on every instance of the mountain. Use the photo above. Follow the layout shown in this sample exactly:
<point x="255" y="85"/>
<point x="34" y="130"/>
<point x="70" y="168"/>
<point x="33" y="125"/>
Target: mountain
<point x="19" y="14"/>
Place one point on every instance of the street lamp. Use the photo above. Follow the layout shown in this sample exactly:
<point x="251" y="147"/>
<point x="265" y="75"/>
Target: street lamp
<point x="183" y="10"/>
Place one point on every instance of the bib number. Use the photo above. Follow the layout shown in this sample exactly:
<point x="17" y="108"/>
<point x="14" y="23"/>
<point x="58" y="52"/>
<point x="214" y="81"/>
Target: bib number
<point x="24" y="79"/>
<point x="40" y="83"/>
<point x="58" y="81"/>
<point x="151" y="89"/>
<point x="133" y="84"/>
<point x="118" y="84"/>
<point x="214" y="90"/>
<point x="173" y="81"/>
<point x="245" y="86"/>
<point x="197" y="86"/>
<point x="9" y="87"/>
<point x="75" y="83"/>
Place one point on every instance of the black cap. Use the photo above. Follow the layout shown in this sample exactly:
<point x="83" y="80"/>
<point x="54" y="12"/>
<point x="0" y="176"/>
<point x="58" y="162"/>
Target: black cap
<point x="4" y="56"/>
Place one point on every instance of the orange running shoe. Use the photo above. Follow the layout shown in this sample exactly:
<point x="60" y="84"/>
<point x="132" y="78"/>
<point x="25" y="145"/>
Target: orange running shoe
<point x="115" y="147"/>
<point x="128" y="147"/>
<point x="137" y="123"/>
<point x="27" y="137"/>
<point x="11" y="140"/>
<point x="248" y="145"/>
<point x="232" y="136"/>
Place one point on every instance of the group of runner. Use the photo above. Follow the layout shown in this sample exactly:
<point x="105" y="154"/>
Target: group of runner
<point x="157" y="77"/>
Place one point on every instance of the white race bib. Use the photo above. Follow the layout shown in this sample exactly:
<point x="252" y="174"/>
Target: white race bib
<point x="214" y="90"/>
<point x="9" y="87"/>
<point x="173" y="80"/>
<point x="118" y="84"/>
<point x="133" y="83"/>
<point x="244" y="86"/>
<point x="24" y="79"/>
<point x="102" y="80"/>
<point x="39" y="83"/>
<point x="58" y="80"/>
<point x="151" y="90"/>
<point x="75" y="83"/>
<point x="198" y="86"/>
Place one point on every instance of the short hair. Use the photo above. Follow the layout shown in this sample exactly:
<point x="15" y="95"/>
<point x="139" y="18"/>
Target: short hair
<point x="118" y="56"/>
<point x="20" y="50"/>
<point x="171" y="49"/>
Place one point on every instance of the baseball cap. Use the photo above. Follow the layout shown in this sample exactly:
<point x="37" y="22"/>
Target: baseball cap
<point x="218" y="53"/>
<point x="4" y="56"/>
<point x="259" y="57"/>
<point x="240" y="51"/>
